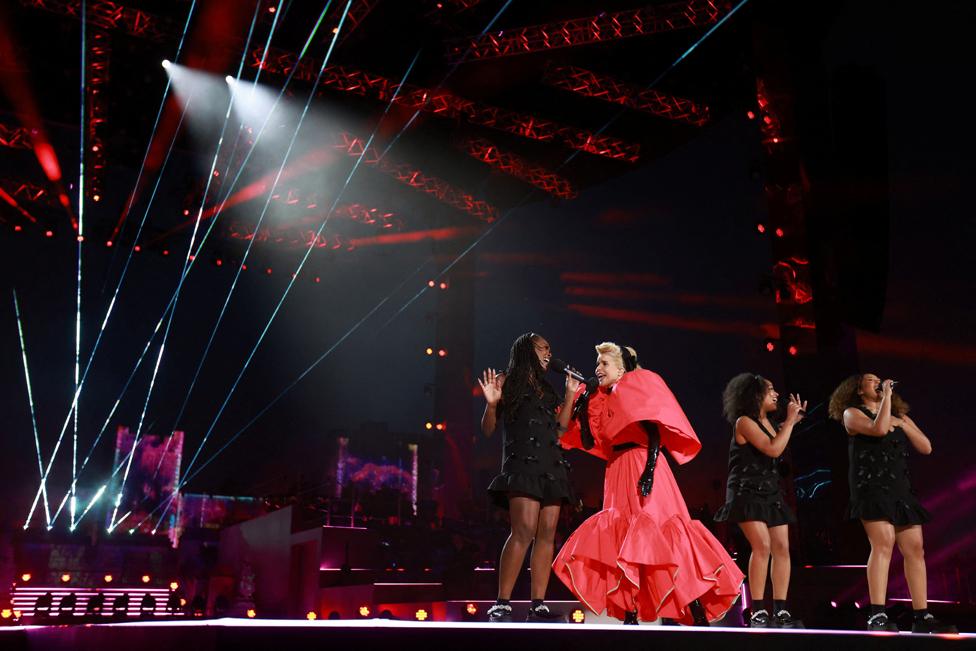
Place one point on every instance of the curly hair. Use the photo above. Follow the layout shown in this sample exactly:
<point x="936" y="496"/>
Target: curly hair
<point x="846" y="395"/>
<point x="524" y="375"/>
<point x="743" y="396"/>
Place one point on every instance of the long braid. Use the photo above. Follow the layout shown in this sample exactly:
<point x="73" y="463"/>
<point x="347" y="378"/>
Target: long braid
<point x="524" y="375"/>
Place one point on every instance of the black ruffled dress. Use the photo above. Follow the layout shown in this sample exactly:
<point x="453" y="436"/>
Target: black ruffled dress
<point x="753" y="490"/>
<point x="881" y="488"/>
<point x="532" y="461"/>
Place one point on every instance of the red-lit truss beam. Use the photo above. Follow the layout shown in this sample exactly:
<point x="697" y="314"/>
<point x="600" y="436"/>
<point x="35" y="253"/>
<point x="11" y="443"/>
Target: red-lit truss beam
<point x="99" y="52"/>
<point x="445" y="104"/>
<point x="585" y="31"/>
<point x="591" y="84"/>
<point x="303" y="233"/>
<point x="437" y="188"/>
<point x="109" y="15"/>
<point x="518" y="167"/>
<point x="357" y="14"/>
<point x="15" y="137"/>
<point x="29" y="192"/>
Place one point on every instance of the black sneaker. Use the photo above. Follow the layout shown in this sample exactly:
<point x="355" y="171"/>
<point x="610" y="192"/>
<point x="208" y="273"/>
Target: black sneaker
<point x="929" y="624"/>
<point x="542" y="615"/>
<point x="500" y="614"/>
<point x="759" y="619"/>
<point x="880" y="622"/>
<point x="783" y="619"/>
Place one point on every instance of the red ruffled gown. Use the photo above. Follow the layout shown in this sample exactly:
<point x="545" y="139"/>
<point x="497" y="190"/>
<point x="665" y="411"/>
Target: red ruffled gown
<point x="644" y="553"/>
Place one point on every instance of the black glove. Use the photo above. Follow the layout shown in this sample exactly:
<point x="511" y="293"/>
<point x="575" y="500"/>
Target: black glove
<point x="646" y="481"/>
<point x="581" y="412"/>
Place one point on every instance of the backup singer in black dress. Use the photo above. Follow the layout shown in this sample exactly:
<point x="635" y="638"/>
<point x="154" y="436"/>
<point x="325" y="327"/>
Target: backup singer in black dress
<point x="881" y="495"/>
<point x="534" y="481"/>
<point x="754" y="497"/>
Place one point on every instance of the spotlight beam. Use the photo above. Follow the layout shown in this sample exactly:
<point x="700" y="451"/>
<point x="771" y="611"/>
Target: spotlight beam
<point x="277" y="308"/>
<point x="30" y="401"/>
<point x="179" y="286"/>
<point x="108" y="311"/>
<point x="281" y="94"/>
<point x="301" y="376"/>
<point x="81" y="240"/>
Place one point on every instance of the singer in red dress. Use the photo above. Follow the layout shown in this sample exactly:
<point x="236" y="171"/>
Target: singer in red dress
<point x="642" y="557"/>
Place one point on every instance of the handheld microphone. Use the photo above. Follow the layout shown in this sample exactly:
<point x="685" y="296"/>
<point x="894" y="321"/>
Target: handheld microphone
<point x="881" y="390"/>
<point x="559" y="366"/>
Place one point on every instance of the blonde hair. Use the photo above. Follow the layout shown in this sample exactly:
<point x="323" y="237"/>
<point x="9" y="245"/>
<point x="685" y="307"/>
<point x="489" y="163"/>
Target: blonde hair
<point x="615" y="353"/>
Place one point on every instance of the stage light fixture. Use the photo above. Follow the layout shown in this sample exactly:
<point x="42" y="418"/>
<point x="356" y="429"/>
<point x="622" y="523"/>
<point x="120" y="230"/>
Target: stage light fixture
<point x="173" y="585"/>
<point x="65" y="577"/>
<point x="579" y="616"/>
<point x="166" y="64"/>
<point x="421" y="615"/>
<point x="108" y="578"/>
<point x="471" y="609"/>
<point x="25" y="577"/>
<point x="443" y="285"/>
<point x="6" y="613"/>
<point x="428" y="425"/>
<point x="229" y="79"/>
<point x="442" y="353"/>
<point x="146" y="578"/>
<point x="440" y="427"/>
<point x="793" y="350"/>
<point x="364" y="611"/>
<point x="48" y="233"/>
<point x="431" y="283"/>
<point x="311" y="616"/>
<point x="18" y="228"/>
<point x="761" y="228"/>
<point x="779" y="232"/>
<point x="251" y="613"/>
<point x="430" y="351"/>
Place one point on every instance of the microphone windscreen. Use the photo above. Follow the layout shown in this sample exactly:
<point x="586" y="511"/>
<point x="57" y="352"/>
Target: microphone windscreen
<point x="557" y="365"/>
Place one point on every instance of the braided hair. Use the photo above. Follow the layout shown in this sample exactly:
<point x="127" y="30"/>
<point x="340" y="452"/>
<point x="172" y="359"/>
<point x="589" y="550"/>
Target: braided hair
<point x="523" y="376"/>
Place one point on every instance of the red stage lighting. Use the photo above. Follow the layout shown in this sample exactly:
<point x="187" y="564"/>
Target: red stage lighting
<point x="268" y="271"/>
<point x="770" y="345"/>
<point x="471" y="609"/>
<point x="218" y="262"/>
<point x="440" y="427"/>
<point x="443" y="285"/>
<point x="146" y="578"/>
<point x="751" y="115"/>
<point x="109" y="244"/>
<point x="65" y="577"/>
<point x="271" y="9"/>
<point x="779" y="232"/>
<point x="138" y="248"/>
<point x="428" y="425"/>
<point x="442" y="353"/>
<point x="18" y="228"/>
<point x="96" y="198"/>
<point x="431" y="283"/>
<point x="80" y="238"/>
<point x="25" y="577"/>
<point x="165" y="251"/>
<point x="174" y="586"/>
<point x="761" y="228"/>
<point x="108" y="578"/>
<point x="793" y="350"/>
<point x="48" y="233"/>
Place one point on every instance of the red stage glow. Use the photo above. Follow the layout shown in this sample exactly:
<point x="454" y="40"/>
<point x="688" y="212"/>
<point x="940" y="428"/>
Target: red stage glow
<point x="436" y="234"/>
<point x="146" y="578"/>
<point x="108" y="578"/>
<point x="48" y="233"/>
<point x="471" y="609"/>
<point x="792" y="350"/>
<point x="761" y="228"/>
<point x="65" y="577"/>
<point x="443" y="285"/>
<point x="518" y="167"/>
<point x="431" y="283"/>
<point x="779" y="232"/>
<point x="109" y="244"/>
<point x="25" y="577"/>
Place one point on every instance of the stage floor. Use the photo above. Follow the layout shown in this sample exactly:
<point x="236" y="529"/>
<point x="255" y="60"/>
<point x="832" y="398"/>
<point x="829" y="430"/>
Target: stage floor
<point x="387" y="635"/>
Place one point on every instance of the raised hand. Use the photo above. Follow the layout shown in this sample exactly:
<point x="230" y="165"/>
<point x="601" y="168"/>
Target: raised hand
<point x="491" y="386"/>
<point x="796" y="409"/>
<point x="886" y="387"/>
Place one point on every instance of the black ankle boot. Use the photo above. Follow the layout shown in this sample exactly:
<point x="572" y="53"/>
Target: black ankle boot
<point x="630" y="618"/>
<point x="699" y="618"/>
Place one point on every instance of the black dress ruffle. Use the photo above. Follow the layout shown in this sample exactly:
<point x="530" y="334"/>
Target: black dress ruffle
<point x="532" y="461"/>
<point x="753" y="489"/>
<point x="880" y="485"/>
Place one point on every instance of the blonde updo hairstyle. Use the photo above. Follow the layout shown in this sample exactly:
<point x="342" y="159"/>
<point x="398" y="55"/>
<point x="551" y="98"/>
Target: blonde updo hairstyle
<point x="617" y="354"/>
